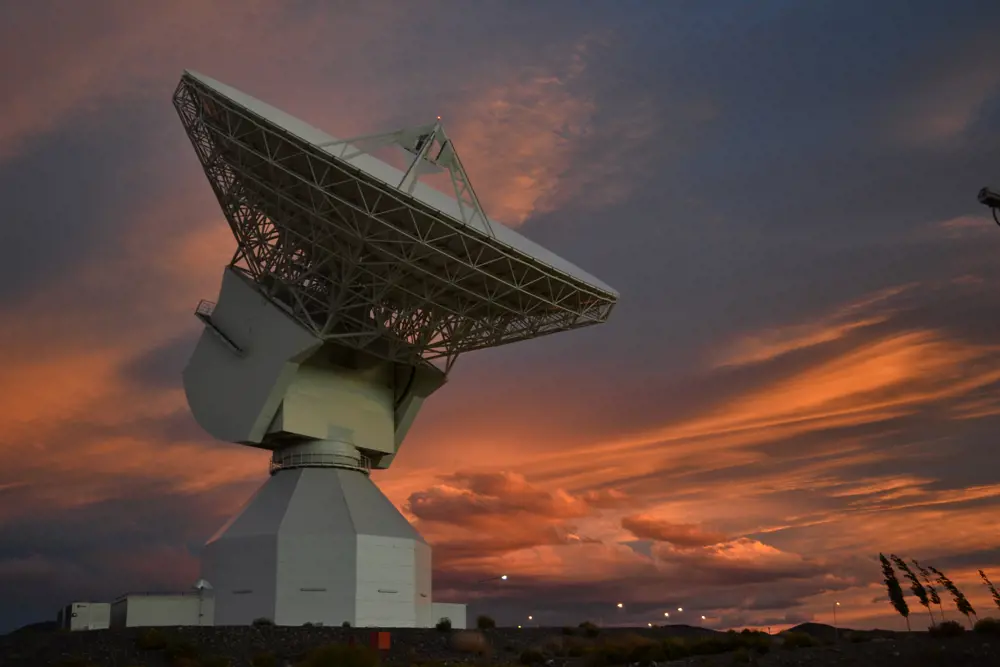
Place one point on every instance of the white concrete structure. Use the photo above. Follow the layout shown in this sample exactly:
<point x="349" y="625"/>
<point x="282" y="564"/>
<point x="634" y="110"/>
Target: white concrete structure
<point x="353" y="290"/>
<point x="320" y="545"/>
<point x="456" y="613"/>
<point x="85" y="616"/>
<point x="140" y="610"/>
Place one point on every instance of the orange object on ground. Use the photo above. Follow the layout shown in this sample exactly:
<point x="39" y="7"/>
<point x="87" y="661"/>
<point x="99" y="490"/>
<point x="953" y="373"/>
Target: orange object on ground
<point x="380" y="640"/>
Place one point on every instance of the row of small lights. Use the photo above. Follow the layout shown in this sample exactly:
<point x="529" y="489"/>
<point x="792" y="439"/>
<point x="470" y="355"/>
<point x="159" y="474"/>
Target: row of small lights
<point x="666" y="614"/>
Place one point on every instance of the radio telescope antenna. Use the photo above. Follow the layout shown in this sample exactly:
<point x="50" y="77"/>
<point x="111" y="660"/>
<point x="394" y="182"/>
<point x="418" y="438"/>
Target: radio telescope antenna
<point x="354" y="288"/>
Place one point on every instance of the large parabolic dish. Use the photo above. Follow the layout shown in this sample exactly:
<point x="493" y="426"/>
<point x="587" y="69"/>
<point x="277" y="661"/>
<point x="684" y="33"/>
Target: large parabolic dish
<point x="361" y="252"/>
<point x="354" y="287"/>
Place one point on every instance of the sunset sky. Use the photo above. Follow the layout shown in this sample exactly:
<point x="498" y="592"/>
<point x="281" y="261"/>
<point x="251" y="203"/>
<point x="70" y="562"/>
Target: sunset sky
<point x="803" y="370"/>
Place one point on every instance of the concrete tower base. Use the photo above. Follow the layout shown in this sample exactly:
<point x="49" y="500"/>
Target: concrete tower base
<point x="320" y="545"/>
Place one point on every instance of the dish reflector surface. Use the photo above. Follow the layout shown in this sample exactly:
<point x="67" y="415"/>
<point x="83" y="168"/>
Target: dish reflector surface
<point x="407" y="275"/>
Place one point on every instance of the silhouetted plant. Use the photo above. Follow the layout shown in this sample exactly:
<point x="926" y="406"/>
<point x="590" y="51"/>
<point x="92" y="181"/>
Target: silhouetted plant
<point x="993" y="590"/>
<point x="946" y="629"/>
<point x="444" y="625"/>
<point x="918" y="589"/>
<point x="931" y="591"/>
<point x="988" y="626"/>
<point x="485" y="622"/>
<point x="894" y="590"/>
<point x="961" y="602"/>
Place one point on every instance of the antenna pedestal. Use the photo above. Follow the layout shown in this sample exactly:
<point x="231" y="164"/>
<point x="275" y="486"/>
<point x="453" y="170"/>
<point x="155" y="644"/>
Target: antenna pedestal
<point x="319" y="545"/>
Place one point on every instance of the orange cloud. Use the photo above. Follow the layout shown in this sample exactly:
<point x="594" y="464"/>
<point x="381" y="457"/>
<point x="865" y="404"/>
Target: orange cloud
<point x="771" y="344"/>
<point x="681" y="535"/>
<point x="524" y="140"/>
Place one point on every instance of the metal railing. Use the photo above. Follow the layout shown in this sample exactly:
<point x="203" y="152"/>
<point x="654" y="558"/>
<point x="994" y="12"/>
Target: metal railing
<point x="290" y="460"/>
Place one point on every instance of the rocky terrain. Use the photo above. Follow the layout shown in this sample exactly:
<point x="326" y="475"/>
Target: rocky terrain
<point x="267" y="646"/>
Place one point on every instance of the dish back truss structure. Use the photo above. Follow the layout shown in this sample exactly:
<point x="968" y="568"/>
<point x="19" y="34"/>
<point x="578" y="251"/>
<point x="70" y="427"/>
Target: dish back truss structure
<point x="356" y="257"/>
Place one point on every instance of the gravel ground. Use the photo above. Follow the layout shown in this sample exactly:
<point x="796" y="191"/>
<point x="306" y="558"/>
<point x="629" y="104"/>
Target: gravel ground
<point x="504" y="646"/>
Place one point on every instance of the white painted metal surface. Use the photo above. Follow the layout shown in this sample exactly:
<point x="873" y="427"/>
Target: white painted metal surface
<point x="85" y="616"/>
<point x="319" y="545"/>
<point x="140" y="610"/>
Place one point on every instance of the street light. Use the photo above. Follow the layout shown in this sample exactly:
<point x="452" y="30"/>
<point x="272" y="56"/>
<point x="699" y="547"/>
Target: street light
<point x="620" y="605"/>
<point x="680" y="608"/>
<point x="836" y="631"/>
<point x="666" y="614"/>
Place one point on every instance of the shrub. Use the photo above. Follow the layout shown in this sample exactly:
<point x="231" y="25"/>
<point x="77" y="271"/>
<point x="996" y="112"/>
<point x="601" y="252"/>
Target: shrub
<point x="988" y="626"/>
<point x="532" y="656"/>
<point x="266" y="659"/>
<point x="150" y="639"/>
<point x="752" y="640"/>
<point x="569" y="631"/>
<point x="798" y="640"/>
<point x="341" y="655"/>
<point x="262" y="621"/>
<point x="674" y="648"/>
<point x="741" y="656"/>
<point x="485" y="622"/>
<point x="345" y="624"/>
<point x="946" y="629"/>
<point x="589" y="629"/>
<point x="444" y="625"/>
<point x="711" y="646"/>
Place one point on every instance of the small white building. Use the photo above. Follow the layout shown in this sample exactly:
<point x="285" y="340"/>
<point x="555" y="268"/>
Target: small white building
<point x="456" y="613"/>
<point x="196" y="607"/>
<point x="85" y="616"/>
<point x="145" y="610"/>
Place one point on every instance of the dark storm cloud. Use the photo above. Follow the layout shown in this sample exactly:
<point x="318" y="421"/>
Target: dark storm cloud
<point x="103" y="550"/>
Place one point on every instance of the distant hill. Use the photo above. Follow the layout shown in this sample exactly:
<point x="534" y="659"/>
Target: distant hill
<point x="818" y="630"/>
<point x="41" y="626"/>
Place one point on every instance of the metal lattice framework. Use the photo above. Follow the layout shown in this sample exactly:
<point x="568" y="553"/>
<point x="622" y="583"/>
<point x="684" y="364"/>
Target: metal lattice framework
<point x="364" y="263"/>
